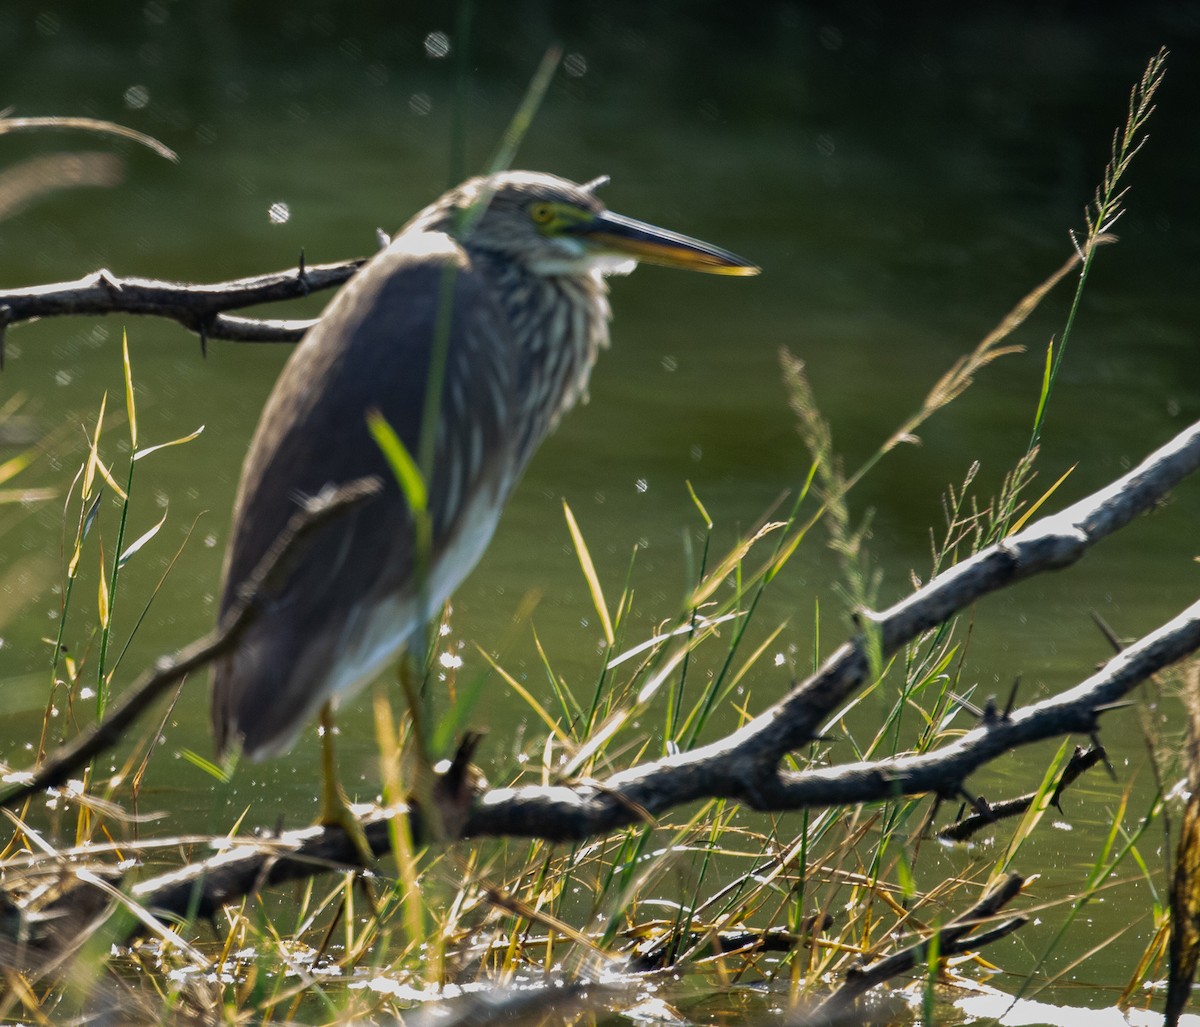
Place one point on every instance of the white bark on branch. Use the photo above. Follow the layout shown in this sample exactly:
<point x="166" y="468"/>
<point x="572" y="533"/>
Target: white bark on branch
<point x="745" y="764"/>
<point x="200" y="308"/>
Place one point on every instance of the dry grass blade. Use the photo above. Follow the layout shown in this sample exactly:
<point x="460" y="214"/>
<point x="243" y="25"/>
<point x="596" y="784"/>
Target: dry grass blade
<point x="93" y="457"/>
<point x="1037" y="503"/>
<point x="23" y="183"/>
<point x="589" y="572"/>
<point x="94" y="125"/>
<point x="726" y="568"/>
<point x="515" y="906"/>
<point x="1185" y="888"/>
<point x="130" y="405"/>
<point x="962" y="374"/>
<point x="528" y="698"/>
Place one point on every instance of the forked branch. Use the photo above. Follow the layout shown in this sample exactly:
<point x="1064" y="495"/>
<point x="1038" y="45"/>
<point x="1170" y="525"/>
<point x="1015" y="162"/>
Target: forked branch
<point x="745" y="765"/>
<point x="203" y="309"/>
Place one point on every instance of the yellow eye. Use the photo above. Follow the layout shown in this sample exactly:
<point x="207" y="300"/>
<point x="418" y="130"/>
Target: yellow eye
<point x="542" y="213"/>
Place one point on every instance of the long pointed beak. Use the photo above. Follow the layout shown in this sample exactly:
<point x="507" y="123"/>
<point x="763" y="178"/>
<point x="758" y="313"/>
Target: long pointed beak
<point x="651" y="245"/>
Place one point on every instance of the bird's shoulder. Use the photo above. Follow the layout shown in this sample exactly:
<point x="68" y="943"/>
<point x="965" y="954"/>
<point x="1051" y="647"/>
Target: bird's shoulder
<point x="404" y="283"/>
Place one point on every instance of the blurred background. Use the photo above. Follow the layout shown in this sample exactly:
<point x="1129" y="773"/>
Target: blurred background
<point x="903" y="178"/>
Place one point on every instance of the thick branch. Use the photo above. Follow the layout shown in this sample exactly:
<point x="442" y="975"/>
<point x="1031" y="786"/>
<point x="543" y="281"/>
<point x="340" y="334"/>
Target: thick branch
<point x="744" y="765"/>
<point x="1074" y="711"/>
<point x="249" y="865"/>
<point x="200" y="308"/>
<point x="557" y="812"/>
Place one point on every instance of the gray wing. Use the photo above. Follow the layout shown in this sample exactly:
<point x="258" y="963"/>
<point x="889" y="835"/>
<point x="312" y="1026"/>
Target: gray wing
<point x="371" y="349"/>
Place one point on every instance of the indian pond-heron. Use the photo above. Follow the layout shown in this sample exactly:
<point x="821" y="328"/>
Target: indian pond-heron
<point x="503" y="278"/>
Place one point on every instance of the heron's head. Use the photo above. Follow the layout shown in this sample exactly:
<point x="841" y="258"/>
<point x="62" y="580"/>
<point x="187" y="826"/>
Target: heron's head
<point x="555" y="227"/>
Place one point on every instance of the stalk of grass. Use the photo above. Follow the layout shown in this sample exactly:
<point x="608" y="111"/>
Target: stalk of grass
<point x="571" y="710"/>
<point x="590" y="576"/>
<point x="1103" y="867"/>
<point x="603" y="698"/>
<point x="89" y="508"/>
<point x="933" y="962"/>
<point x="1037" y="809"/>
<point x="1102" y="214"/>
<point x="783" y="550"/>
<point x="670" y="732"/>
<point x="107" y="601"/>
<point x="389" y="741"/>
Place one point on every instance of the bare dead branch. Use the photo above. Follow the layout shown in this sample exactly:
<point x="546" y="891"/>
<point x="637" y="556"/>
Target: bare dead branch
<point x="1080" y="761"/>
<point x="1075" y="711"/>
<point x="200" y="308"/>
<point x="744" y="765"/>
<point x="953" y="939"/>
<point x="248" y="865"/>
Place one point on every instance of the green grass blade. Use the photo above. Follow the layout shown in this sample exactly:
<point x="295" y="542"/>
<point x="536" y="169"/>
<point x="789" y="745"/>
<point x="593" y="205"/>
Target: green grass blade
<point x="208" y="766"/>
<point x="532" y="100"/>
<point x="408" y="475"/>
<point x="589" y="573"/>
<point x="166" y="445"/>
<point x="137" y="544"/>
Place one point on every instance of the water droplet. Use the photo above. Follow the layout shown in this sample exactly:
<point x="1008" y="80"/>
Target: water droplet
<point x="641" y="484"/>
<point x="575" y="65"/>
<point x="136" y="97"/>
<point x="437" y="45"/>
<point x="420" y="104"/>
<point x="279" y="213"/>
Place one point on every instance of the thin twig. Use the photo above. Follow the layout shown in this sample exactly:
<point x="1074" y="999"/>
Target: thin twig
<point x="959" y="831"/>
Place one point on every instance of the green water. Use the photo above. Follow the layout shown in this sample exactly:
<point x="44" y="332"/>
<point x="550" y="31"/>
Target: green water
<point x="901" y="184"/>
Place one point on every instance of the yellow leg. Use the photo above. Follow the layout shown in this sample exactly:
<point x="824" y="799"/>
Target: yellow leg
<point x="335" y="807"/>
